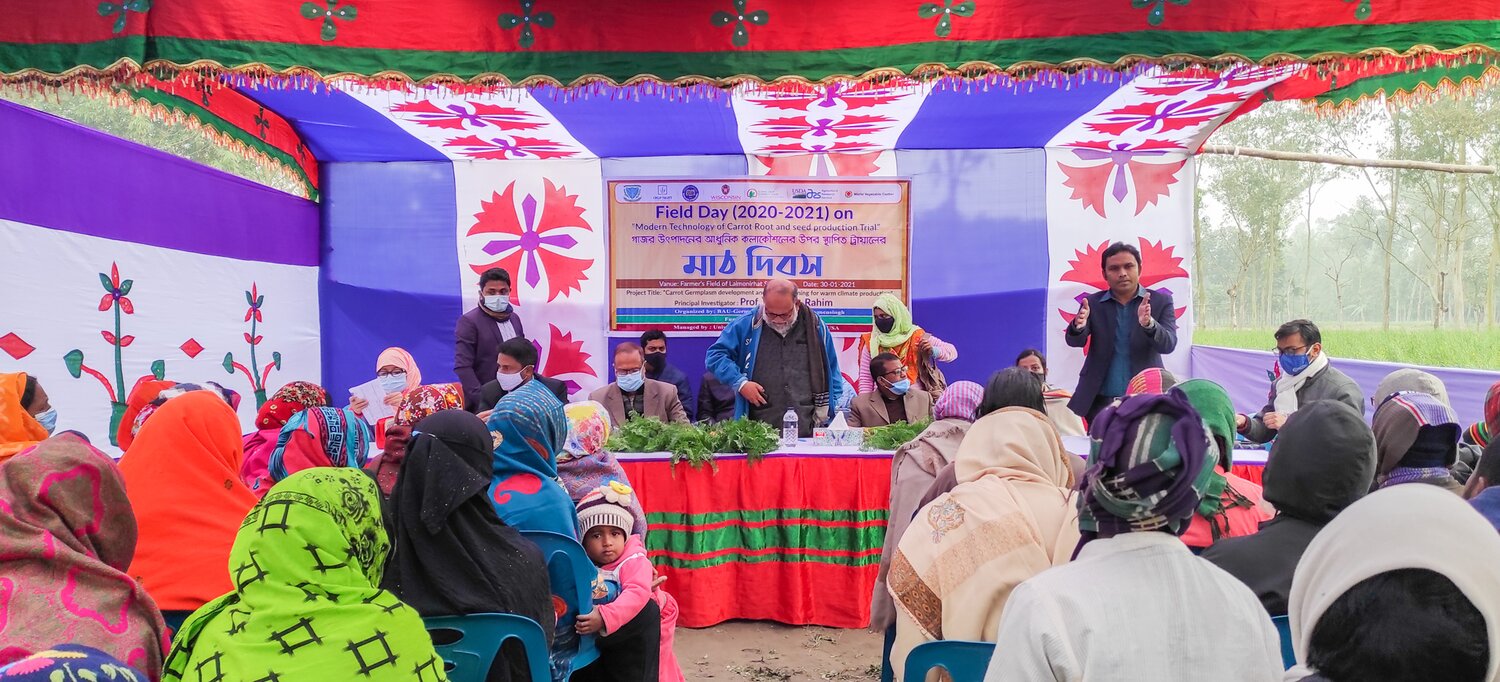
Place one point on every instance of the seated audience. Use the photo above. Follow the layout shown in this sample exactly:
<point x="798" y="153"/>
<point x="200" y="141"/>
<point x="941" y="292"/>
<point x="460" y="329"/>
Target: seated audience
<point x="1304" y="374"/>
<point x="584" y="464"/>
<point x="654" y="344"/>
<point x="1416" y="438"/>
<point x="913" y="469"/>
<point x="1400" y="587"/>
<point x="1232" y="506"/>
<point x="529" y="428"/>
<point x="1011" y="516"/>
<point x="1487" y="430"/>
<point x="1417" y="381"/>
<point x="1067" y="423"/>
<point x="629" y="626"/>
<point x="285" y="402"/>
<point x="306" y="605"/>
<point x="1135" y="604"/>
<point x="518" y="367"/>
<point x="1151" y="381"/>
<point x="452" y="555"/>
<point x="415" y="406"/>
<point x="315" y="437"/>
<point x="632" y="394"/>
<point x="1322" y="461"/>
<point x="183" y="476"/>
<point x="715" y="400"/>
<point x="67" y="538"/>
<point x="1479" y="492"/>
<point x="918" y="351"/>
<point x="69" y="662"/>
<point x="145" y="392"/>
<point x="26" y="414"/>
<point x="892" y="400"/>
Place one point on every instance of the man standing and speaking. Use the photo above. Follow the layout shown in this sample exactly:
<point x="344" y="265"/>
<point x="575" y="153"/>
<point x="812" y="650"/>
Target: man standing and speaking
<point x="779" y="356"/>
<point x="1130" y="327"/>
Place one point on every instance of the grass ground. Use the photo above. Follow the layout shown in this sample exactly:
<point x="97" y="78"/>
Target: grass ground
<point x="1475" y="349"/>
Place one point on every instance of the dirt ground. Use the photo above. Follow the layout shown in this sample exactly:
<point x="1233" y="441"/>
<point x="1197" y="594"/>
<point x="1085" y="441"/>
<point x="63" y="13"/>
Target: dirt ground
<point x="771" y="652"/>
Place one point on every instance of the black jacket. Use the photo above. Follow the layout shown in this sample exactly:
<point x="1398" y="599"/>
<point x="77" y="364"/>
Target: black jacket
<point x="490" y="395"/>
<point x="1323" y="461"/>
<point x="1146" y="348"/>
<point x="678" y="378"/>
<point x="715" y="400"/>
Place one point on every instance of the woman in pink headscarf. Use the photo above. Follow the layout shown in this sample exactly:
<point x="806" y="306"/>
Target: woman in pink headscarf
<point x="397" y="372"/>
<point x="285" y="402"/>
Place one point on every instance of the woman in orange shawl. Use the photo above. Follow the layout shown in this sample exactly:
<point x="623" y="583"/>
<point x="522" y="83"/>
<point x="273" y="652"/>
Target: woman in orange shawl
<point x="183" y="474"/>
<point x="67" y="536"/>
<point x="19" y="428"/>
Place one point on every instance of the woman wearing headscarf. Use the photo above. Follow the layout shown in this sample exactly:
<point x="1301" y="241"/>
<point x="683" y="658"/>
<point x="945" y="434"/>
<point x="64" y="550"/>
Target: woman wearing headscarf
<point x="306" y="604"/>
<point x="913" y="469"/>
<point x="418" y="404"/>
<point x="1486" y="430"/>
<point x="71" y="662"/>
<point x="142" y="394"/>
<point x="315" y="437"/>
<point x="159" y="393"/>
<point x="453" y="555"/>
<point x="1409" y="380"/>
<point x="182" y="472"/>
<point x="1151" y="381"/>
<point x="529" y="428"/>
<point x="67" y="536"/>
<point x="583" y="465"/>
<point x="397" y="372"/>
<point x="894" y="333"/>
<point x="1416" y="438"/>
<point x="1323" y="460"/>
<point x="284" y="403"/>
<point x="1011" y="516"/>
<point x="1232" y="506"/>
<point x="1421" y="603"/>
<point x="1135" y="604"/>
<point x="26" y="414"/>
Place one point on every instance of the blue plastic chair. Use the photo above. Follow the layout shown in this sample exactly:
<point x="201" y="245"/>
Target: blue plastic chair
<point x="964" y="661"/>
<point x="572" y="574"/>
<point x="468" y="659"/>
<point x="1284" y="628"/>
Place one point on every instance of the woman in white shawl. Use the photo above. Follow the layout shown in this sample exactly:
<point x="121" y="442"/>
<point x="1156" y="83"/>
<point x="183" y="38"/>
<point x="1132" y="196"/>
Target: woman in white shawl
<point x="1012" y="515"/>
<point x="1400" y="586"/>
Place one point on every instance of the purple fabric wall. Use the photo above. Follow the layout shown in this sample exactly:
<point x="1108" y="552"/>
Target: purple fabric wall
<point x="1243" y="374"/>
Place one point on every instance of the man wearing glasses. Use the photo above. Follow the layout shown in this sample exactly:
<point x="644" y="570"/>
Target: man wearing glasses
<point x="1303" y="375"/>
<point x="779" y="356"/>
<point x="892" y="400"/>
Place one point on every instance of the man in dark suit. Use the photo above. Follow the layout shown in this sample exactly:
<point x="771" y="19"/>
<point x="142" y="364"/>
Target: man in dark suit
<point x="657" y="368"/>
<point x="517" y="365"/>
<point x="1130" y="327"/>
<point x="481" y="331"/>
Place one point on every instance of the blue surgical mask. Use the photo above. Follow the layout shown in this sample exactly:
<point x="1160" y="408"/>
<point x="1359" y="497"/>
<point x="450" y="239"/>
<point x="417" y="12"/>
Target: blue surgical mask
<point x="48" y="419"/>
<point x="1294" y="364"/>
<point x="497" y="304"/>
<point x="901" y="387"/>
<point x="393" y="383"/>
<point x="632" y="382"/>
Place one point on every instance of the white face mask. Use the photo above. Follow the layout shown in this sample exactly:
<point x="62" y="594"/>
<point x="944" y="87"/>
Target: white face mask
<point x="510" y="382"/>
<point x="497" y="304"/>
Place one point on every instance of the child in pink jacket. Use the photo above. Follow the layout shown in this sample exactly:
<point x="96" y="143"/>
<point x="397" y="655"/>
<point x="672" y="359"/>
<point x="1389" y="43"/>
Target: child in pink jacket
<point x="635" y="621"/>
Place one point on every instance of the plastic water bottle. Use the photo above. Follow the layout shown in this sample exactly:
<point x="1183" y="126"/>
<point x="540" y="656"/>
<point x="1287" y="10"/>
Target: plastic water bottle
<point x="789" y="428"/>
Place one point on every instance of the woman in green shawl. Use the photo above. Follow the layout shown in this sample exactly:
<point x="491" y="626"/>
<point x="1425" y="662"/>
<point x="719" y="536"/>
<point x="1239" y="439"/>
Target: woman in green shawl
<point x="306" y="606"/>
<point x="894" y="332"/>
<point x="1232" y="506"/>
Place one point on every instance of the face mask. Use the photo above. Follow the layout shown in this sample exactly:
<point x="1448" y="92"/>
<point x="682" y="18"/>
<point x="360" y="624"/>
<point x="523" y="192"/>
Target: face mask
<point x="901" y="387"/>
<point x="632" y="382"/>
<point x="656" y="361"/>
<point x="1041" y="376"/>
<point x="1294" y="364"/>
<point x="393" y="383"/>
<point x="497" y="304"/>
<point x="48" y="419"/>
<point x="885" y="324"/>
<point x="510" y="382"/>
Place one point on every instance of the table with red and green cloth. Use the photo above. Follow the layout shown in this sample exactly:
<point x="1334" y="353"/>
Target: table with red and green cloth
<point x="794" y="537"/>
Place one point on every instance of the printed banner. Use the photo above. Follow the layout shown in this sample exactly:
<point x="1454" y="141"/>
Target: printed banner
<point x="689" y="256"/>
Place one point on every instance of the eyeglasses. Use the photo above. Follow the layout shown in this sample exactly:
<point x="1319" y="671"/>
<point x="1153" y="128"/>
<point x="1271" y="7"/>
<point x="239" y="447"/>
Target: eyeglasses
<point x="1289" y="351"/>
<point x="899" y="371"/>
<point x="390" y="372"/>
<point x="779" y="317"/>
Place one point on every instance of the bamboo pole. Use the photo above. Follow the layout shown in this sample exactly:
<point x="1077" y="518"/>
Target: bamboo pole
<point x="1276" y="155"/>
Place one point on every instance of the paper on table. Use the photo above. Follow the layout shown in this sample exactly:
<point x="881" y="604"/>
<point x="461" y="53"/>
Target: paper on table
<point x="375" y="395"/>
<point x="839" y="423"/>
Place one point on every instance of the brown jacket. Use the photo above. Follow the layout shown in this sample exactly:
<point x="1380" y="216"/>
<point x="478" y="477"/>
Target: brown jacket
<point x="661" y="401"/>
<point x="868" y="409"/>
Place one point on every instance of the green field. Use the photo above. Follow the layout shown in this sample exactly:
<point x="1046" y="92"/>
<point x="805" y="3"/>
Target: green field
<point x="1475" y="349"/>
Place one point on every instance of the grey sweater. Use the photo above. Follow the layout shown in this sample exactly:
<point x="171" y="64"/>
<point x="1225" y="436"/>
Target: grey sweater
<point x="1329" y="384"/>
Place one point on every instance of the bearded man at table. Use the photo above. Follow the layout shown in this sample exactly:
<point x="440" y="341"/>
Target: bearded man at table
<point x="793" y="366"/>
